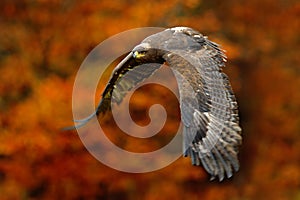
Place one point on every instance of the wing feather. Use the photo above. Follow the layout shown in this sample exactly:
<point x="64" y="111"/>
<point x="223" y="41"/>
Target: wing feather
<point x="128" y="74"/>
<point x="208" y="107"/>
<point x="131" y="79"/>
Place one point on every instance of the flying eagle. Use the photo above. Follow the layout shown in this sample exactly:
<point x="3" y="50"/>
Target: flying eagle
<point x="208" y="106"/>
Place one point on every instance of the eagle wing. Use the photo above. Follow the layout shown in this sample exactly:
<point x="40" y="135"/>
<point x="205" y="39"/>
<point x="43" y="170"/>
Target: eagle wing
<point x="208" y="107"/>
<point x="127" y="74"/>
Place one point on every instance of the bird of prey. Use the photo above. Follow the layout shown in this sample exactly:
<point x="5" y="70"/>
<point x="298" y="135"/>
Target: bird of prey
<point x="209" y="111"/>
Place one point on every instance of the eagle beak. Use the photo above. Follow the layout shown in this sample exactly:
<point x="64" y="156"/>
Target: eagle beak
<point x="138" y="55"/>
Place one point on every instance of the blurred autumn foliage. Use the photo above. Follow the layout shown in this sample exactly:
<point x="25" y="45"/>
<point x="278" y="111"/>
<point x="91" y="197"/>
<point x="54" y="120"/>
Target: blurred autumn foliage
<point x="42" y="44"/>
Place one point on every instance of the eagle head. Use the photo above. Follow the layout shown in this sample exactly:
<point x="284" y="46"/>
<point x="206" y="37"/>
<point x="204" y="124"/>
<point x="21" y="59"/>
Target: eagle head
<point x="145" y="53"/>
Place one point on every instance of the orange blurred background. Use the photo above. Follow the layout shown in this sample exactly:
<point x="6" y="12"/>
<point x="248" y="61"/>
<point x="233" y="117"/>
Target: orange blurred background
<point x="42" y="44"/>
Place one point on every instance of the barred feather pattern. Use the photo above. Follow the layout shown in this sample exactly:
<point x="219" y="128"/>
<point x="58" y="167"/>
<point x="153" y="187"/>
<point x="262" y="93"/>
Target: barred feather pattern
<point x="209" y="111"/>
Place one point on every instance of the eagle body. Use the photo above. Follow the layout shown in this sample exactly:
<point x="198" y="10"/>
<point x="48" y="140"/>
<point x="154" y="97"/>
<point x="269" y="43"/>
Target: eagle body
<point x="209" y="111"/>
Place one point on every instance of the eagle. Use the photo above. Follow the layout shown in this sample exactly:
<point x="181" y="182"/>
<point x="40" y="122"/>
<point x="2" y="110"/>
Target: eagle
<point x="209" y="110"/>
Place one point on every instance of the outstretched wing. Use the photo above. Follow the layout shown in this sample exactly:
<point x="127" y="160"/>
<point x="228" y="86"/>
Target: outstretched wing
<point x="128" y="74"/>
<point x="208" y="107"/>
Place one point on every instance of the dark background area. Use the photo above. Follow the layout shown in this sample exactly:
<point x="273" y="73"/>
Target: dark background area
<point x="42" y="44"/>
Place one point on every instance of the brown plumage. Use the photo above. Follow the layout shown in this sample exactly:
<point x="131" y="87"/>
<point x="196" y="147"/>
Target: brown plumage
<point x="208" y="106"/>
